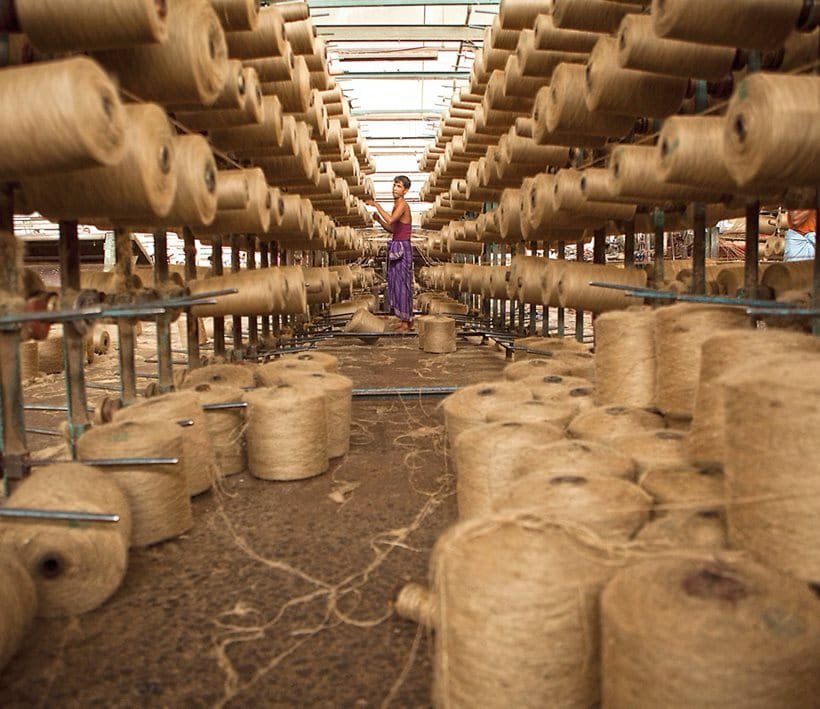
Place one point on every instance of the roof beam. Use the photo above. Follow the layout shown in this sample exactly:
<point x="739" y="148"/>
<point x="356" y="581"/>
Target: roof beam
<point x="403" y="75"/>
<point x="393" y="33"/>
<point x="330" y="4"/>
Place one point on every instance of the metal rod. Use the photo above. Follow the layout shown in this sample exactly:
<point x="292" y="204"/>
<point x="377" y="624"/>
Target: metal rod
<point x="629" y="243"/>
<point x="752" y="254"/>
<point x="699" y="250"/>
<point x="103" y="462"/>
<point x="225" y="405"/>
<point x="49" y="407"/>
<point x="164" y="368"/>
<point x="364" y="392"/>
<point x="253" y="326"/>
<point x="599" y="246"/>
<point x="562" y="254"/>
<point x="191" y="323"/>
<point x="660" y="230"/>
<point x="579" y="314"/>
<point x="57" y="515"/>
<point x="264" y="262"/>
<point x="128" y="378"/>
<point x="219" y="321"/>
<point x="713" y="299"/>
<point x="815" y="291"/>
<point x="236" y="319"/>
<point x="44" y="431"/>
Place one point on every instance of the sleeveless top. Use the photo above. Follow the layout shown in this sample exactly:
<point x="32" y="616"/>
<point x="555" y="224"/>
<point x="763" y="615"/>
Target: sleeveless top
<point x="401" y="231"/>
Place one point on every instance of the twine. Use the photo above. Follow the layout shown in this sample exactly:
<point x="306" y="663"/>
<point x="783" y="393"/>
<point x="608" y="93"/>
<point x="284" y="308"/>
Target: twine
<point x="439" y="335"/>
<point x="50" y="355"/>
<point x="286" y="432"/>
<point x="56" y="27"/>
<point x="75" y="568"/>
<point x="652" y="449"/>
<point x="157" y="494"/>
<point x="29" y="360"/>
<point x="483" y="456"/>
<point x="364" y="321"/>
<point x="473" y="404"/>
<point x="190" y="67"/>
<point x="610" y="507"/>
<point x="748" y="635"/>
<point x="604" y="423"/>
<point x="686" y="528"/>
<point x="625" y="365"/>
<point x="574" y="290"/>
<point x="197" y="461"/>
<point x="18" y="608"/>
<point x="226" y="427"/>
<point x="680" y="331"/>
<point x="63" y="134"/>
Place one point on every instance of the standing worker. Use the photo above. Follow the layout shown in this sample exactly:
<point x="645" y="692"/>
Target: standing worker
<point x="801" y="235"/>
<point x="399" y="253"/>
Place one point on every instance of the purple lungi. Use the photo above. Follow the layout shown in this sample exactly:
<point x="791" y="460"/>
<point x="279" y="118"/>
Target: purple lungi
<point x="400" y="279"/>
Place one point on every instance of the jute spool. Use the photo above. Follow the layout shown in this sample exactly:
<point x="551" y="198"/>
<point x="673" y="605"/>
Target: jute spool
<point x="301" y="35"/>
<point x="286" y="432"/>
<point x="640" y="48"/>
<point x="537" y="411"/>
<point x="197" y="460"/>
<point x="266" y="40"/>
<point x="574" y="457"/>
<point x="721" y="356"/>
<point x="528" y="279"/>
<point x="607" y="422"/>
<point x="63" y="134"/>
<point x="191" y="66"/>
<point x="788" y="276"/>
<point x="549" y="37"/>
<point x="251" y="112"/>
<point x="574" y="290"/>
<point x="755" y="24"/>
<point x="546" y="365"/>
<point x="254" y="296"/>
<point x="495" y="580"/>
<point x="687" y="529"/>
<point x="274" y="68"/>
<point x="253" y="219"/>
<point x="289" y="290"/>
<point x="338" y="393"/>
<point x="533" y="62"/>
<point x="590" y="15"/>
<point x="325" y="361"/>
<point x="143" y="182"/>
<point x="294" y="11"/>
<point x="157" y="494"/>
<point x="774" y="516"/>
<point x="625" y="364"/>
<point x="651" y="449"/>
<point x="18" y="605"/>
<point x="237" y="15"/>
<point x="610" y="507"/>
<point x="767" y="138"/>
<point x="575" y="103"/>
<point x="364" y="321"/>
<point x="267" y="132"/>
<point x="55" y="27"/>
<point x="576" y="392"/>
<point x="294" y="94"/>
<point x="680" y="331"/>
<point x="568" y="197"/>
<point x="684" y="488"/>
<point x="51" y="356"/>
<point x="501" y="38"/>
<point x="612" y="89"/>
<point x="439" y="335"/>
<point x="415" y="602"/>
<point x="232" y="94"/>
<point x="748" y="635"/>
<point x="226" y="427"/>
<point x="271" y="374"/>
<point x="472" y="405"/>
<point x="75" y="568"/>
<point x="518" y="14"/>
<point x="482" y="456"/>
<point x="29" y="360"/>
<point x="318" y="285"/>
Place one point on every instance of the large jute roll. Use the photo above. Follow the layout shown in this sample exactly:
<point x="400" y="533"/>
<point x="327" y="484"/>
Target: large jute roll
<point x="574" y="290"/>
<point x="625" y="364"/>
<point x="274" y="68"/>
<point x="690" y="529"/>
<point x="439" y="335"/>
<point x="767" y="138"/>
<point x="471" y="405"/>
<point x="232" y="94"/>
<point x="577" y="392"/>
<point x="654" y="448"/>
<point x="613" y="89"/>
<point x="496" y="578"/>
<point x="191" y="66"/>
<point x="271" y="374"/>
<point x="610" y="507"/>
<point x="518" y="14"/>
<point x="788" y="276"/>
<point x="254" y="296"/>
<point x="18" y="605"/>
<point x="680" y="331"/>
<point x="640" y="48"/>
<point x="548" y="364"/>
<point x="556" y="413"/>
<point x="327" y="362"/>
<point x="590" y="15"/>
<point x="226" y="426"/>
<point x="756" y="24"/>
<point x="75" y="568"/>
<point x="181" y="409"/>
<point x="769" y="428"/>
<point x="604" y="423"/>
<point x="51" y="355"/>
<point x="721" y="356"/>
<point x="289" y="290"/>
<point x="483" y="456"/>
<point x="157" y="494"/>
<point x="29" y="360"/>
<point x="294" y="94"/>
<point x="253" y="219"/>
<point x="236" y="376"/>
<point x="143" y="182"/>
<point x="568" y="197"/>
<point x="286" y="432"/>
<point x="237" y="15"/>
<point x="574" y="457"/>
<point x="748" y="635"/>
<point x="232" y="189"/>
<point x="266" y="40"/>
<point x="684" y="488"/>
<point x="528" y="279"/>
<point x="87" y="25"/>
<point x="364" y="321"/>
<point x="549" y="37"/>
<point x="268" y="132"/>
<point x="64" y="133"/>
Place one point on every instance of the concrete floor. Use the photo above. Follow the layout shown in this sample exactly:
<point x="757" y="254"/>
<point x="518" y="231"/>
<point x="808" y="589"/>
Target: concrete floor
<point x="281" y="594"/>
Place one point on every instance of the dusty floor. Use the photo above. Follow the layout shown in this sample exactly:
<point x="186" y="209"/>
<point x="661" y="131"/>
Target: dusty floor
<point x="280" y="596"/>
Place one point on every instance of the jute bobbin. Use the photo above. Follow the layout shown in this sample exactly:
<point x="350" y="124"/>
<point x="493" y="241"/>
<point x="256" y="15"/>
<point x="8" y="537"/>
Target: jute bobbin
<point x="157" y="494"/>
<point x="274" y="68"/>
<point x="63" y="133"/>
<point x="684" y="489"/>
<point x="197" y="460"/>
<point x="495" y="579"/>
<point x="602" y="16"/>
<point x="610" y="507"/>
<point x="324" y="360"/>
<point x="537" y="411"/>
<point x="574" y="290"/>
<point x="575" y="391"/>
<point x="143" y="182"/>
<point x="191" y="66"/>
<point x="269" y="374"/>
<point x="51" y="356"/>
<point x="18" y="605"/>
<point x="782" y="278"/>
<point x="549" y="37"/>
<point x="769" y="424"/>
<point x="653" y="448"/>
<point x="87" y="25"/>
<point x="301" y="35"/>
<point x="237" y="376"/>
<point x="237" y="15"/>
<point x="364" y="321"/>
<point x="680" y="331"/>
<point x="415" y="602"/>
<point x="607" y="422"/>
<point x="439" y="335"/>
<point x="294" y="94"/>
<point x="74" y="568"/>
<point x="690" y="529"/>
<point x="289" y="290"/>
<point x="472" y="405"/>
<point x="545" y="365"/>
<point x="253" y="219"/>
<point x="483" y="455"/>
<point x="748" y="635"/>
<point x="29" y="360"/>
<point x="625" y="364"/>
<point x="226" y="426"/>
<point x="575" y="457"/>
<point x="518" y="14"/>
<point x="568" y="197"/>
<point x="294" y="11"/>
<point x="721" y="356"/>
<point x="286" y="432"/>
<point x="266" y="40"/>
<point x="102" y="342"/>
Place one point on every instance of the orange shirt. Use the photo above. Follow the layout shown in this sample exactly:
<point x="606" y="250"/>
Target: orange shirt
<point x="803" y="220"/>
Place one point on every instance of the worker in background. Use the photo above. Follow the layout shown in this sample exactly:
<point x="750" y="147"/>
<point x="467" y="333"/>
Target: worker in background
<point x="399" y="253"/>
<point x="801" y="235"/>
